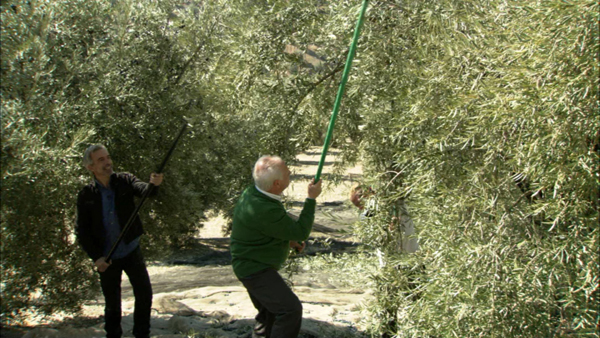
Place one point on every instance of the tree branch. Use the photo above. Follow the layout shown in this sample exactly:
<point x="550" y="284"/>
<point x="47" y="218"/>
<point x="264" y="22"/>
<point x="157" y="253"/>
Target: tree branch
<point x="189" y="61"/>
<point x="314" y="85"/>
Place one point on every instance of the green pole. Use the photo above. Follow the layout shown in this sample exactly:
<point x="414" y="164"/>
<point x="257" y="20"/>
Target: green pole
<point x="340" y="93"/>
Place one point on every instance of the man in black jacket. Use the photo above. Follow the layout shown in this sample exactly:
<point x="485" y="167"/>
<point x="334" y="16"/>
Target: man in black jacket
<point x="103" y="208"/>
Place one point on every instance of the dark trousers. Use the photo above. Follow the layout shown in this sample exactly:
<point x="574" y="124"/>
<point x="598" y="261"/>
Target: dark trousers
<point x="110" y="280"/>
<point x="279" y="309"/>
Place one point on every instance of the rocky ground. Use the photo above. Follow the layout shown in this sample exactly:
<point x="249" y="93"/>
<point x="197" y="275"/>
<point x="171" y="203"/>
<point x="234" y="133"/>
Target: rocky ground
<point x="197" y="295"/>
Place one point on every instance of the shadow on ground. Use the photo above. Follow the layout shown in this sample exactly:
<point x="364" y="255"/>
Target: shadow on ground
<point x="196" y="325"/>
<point x="199" y="252"/>
<point x="13" y="332"/>
<point x="215" y="251"/>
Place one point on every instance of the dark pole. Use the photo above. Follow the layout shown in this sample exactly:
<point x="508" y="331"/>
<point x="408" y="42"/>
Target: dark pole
<point x="146" y="194"/>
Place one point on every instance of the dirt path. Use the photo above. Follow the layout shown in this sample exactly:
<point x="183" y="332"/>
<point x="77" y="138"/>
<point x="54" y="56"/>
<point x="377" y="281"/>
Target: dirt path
<point x="197" y="295"/>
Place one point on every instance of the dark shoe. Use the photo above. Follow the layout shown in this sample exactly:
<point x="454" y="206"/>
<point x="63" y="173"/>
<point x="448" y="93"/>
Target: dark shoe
<point x="259" y="330"/>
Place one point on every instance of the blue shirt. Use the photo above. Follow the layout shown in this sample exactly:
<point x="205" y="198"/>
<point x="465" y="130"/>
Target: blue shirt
<point x="111" y="225"/>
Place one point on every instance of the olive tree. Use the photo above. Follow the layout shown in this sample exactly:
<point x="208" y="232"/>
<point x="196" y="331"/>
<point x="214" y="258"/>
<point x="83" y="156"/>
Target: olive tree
<point x="483" y="117"/>
<point x="127" y="74"/>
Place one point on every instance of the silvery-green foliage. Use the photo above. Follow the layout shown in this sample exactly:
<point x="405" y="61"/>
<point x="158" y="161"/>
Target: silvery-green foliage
<point x="487" y="115"/>
<point x="121" y="73"/>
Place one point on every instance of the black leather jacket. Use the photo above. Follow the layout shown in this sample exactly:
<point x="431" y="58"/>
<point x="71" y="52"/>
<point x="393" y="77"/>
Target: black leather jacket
<point x="90" y="228"/>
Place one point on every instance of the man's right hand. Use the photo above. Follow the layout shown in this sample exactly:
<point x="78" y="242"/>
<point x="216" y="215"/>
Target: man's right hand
<point x="101" y="264"/>
<point x="314" y="190"/>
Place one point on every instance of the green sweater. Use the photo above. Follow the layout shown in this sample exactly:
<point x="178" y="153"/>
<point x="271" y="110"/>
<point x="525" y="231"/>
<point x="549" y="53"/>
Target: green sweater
<point x="262" y="231"/>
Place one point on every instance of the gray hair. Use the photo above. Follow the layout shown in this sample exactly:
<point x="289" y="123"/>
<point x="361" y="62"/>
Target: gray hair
<point x="87" y="155"/>
<point x="266" y="170"/>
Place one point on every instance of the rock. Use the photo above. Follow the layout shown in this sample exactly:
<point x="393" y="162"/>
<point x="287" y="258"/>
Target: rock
<point x="187" y="324"/>
<point x="159" y="322"/>
<point x="170" y="305"/>
<point x="242" y="325"/>
<point x="216" y="317"/>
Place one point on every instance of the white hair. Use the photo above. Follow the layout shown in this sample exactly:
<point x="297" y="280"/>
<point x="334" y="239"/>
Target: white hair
<point x="266" y="170"/>
<point x="87" y="155"/>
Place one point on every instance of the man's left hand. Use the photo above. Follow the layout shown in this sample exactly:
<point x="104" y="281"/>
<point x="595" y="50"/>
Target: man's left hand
<point x="156" y="179"/>
<point x="297" y="246"/>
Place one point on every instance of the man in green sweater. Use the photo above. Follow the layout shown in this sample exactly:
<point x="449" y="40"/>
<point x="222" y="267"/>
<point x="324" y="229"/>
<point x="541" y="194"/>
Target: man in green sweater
<point x="261" y="238"/>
